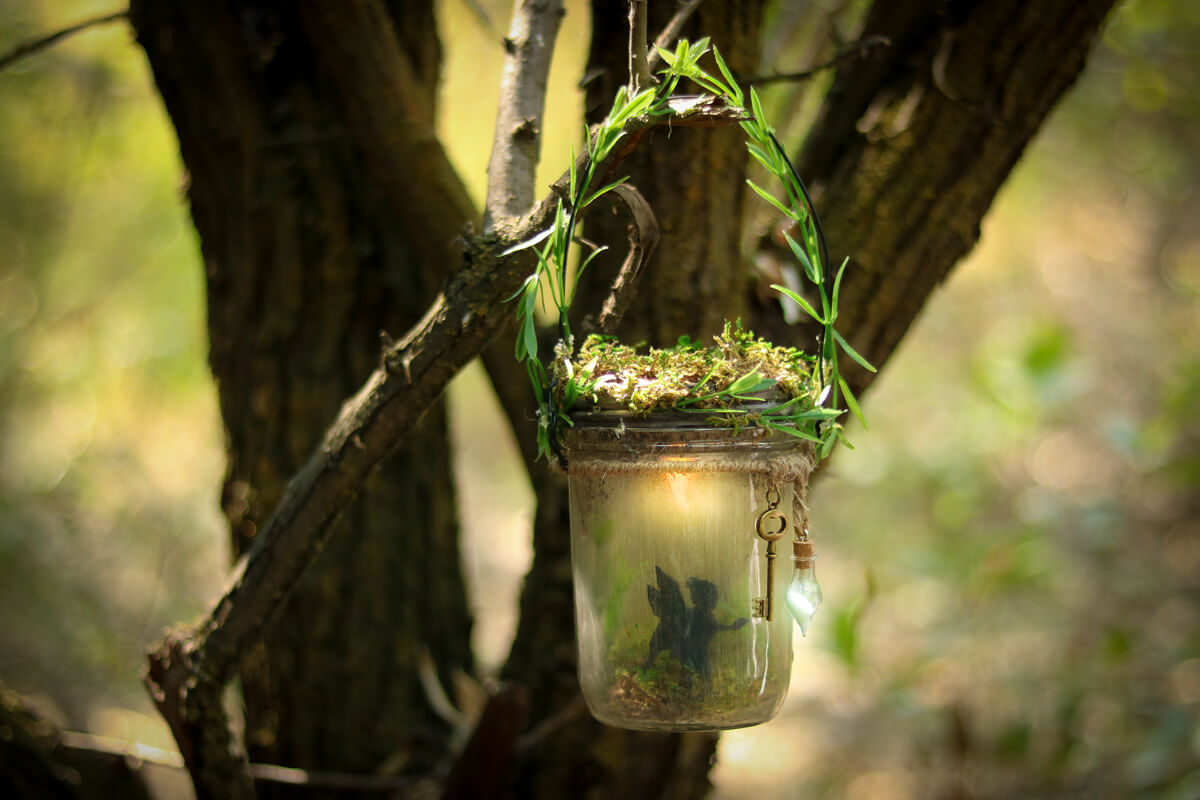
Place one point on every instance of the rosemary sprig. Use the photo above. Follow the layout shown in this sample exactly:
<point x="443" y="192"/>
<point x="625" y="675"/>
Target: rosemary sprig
<point x="816" y="421"/>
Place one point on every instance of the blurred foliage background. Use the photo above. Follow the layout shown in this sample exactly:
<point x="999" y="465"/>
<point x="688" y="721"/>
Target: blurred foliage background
<point x="1011" y="557"/>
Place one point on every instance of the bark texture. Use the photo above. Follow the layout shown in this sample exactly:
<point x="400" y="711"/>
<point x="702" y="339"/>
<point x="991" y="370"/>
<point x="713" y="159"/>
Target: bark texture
<point x="327" y="214"/>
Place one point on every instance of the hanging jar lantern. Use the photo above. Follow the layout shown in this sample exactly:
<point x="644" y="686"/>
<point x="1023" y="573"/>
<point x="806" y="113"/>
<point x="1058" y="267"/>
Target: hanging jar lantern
<point x="680" y="590"/>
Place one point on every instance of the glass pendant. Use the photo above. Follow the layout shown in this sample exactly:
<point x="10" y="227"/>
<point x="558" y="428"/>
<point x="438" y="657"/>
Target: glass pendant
<point x="803" y="596"/>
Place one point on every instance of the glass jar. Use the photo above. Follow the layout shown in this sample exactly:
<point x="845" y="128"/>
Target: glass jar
<point x="679" y="600"/>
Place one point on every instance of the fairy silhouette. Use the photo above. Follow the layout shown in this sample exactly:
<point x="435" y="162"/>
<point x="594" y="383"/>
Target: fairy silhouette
<point x="668" y="605"/>
<point x="686" y="633"/>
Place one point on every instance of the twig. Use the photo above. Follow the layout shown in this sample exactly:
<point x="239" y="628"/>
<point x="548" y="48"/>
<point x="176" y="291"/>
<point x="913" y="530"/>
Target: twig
<point x="555" y="722"/>
<point x="511" y="169"/>
<point x="671" y="32"/>
<point x="31" y="47"/>
<point x="639" y="66"/>
<point x="860" y="49"/>
<point x="643" y="236"/>
<point x="261" y="773"/>
<point x="481" y="16"/>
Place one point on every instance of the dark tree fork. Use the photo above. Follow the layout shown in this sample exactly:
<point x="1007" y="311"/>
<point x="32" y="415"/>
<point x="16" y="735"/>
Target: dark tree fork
<point x="328" y="211"/>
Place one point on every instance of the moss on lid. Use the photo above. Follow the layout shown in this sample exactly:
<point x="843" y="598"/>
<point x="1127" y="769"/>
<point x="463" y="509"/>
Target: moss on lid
<point x="737" y="368"/>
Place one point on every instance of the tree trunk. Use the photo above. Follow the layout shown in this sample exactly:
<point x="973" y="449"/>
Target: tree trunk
<point x="305" y="134"/>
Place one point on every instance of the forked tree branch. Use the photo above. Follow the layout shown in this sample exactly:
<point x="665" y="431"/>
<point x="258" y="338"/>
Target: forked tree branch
<point x="37" y="45"/>
<point x="514" y="159"/>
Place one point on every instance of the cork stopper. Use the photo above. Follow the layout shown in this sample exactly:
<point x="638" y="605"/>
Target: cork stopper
<point x="802" y="550"/>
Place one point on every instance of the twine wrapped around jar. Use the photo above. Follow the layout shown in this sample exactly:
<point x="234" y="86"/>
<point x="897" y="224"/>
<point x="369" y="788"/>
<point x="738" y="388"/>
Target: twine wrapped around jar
<point x="600" y="443"/>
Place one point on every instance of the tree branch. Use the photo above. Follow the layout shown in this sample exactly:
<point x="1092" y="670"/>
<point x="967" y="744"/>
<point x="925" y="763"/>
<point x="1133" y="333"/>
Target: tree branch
<point x="37" y="45"/>
<point x="639" y="65"/>
<point x="671" y="32"/>
<point x="859" y="49"/>
<point x="513" y="164"/>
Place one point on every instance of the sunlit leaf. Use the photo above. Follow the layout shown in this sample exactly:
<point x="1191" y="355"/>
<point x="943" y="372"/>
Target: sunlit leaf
<point x="734" y="90"/>
<point x="802" y="257"/>
<point x="852" y="402"/>
<point x="798" y="300"/>
<point x="603" y="191"/>
<point x="767" y="161"/>
<point x="528" y="243"/>
<point x="850" y="351"/>
<point x="837" y="282"/>
<point x="799" y="433"/>
<point x="756" y="105"/>
<point x="770" y="198"/>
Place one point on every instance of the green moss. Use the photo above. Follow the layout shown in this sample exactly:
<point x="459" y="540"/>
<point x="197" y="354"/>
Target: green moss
<point x="673" y="694"/>
<point x="737" y="368"/>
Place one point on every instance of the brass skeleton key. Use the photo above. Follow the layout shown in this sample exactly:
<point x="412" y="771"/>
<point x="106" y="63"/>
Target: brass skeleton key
<point x="764" y="607"/>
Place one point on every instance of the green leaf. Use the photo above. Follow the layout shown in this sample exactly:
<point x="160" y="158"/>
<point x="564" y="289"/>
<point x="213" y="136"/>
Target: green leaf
<point x="667" y="56"/>
<point x="852" y="402"/>
<point x="528" y="243"/>
<point x="606" y="140"/>
<point x="619" y="101"/>
<point x="681" y="53"/>
<point x="770" y="198"/>
<point x="766" y="160"/>
<point x="837" y="283"/>
<point x="802" y="257"/>
<point x="816" y="413"/>
<point x="850" y="351"/>
<point x="735" y="90"/>
<point x="573" y="196"/>
<point x="602" y="191"/>
<point x="756" y="105"/>
<point x="584" y="265"/>
<point x="799" y="433"/>
<point x="746" y="382"/>
<point x="827" y="442"/>
<point x="798" y="300"/>
<point x="524" y="287"/>
<point x="636" y="106"/>
<point x="706" y="378"/>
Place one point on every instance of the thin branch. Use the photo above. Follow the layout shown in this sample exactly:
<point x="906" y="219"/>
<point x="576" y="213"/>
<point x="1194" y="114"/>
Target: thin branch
<point x="518" y="137"/>
<point x="671" y="32"/>
<point x="859" y="49"/>
<point x="261" y="773"/>
<point x="639" y="65"/>
<point x="29" y="48"/>
<point x="481" y="16"/>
